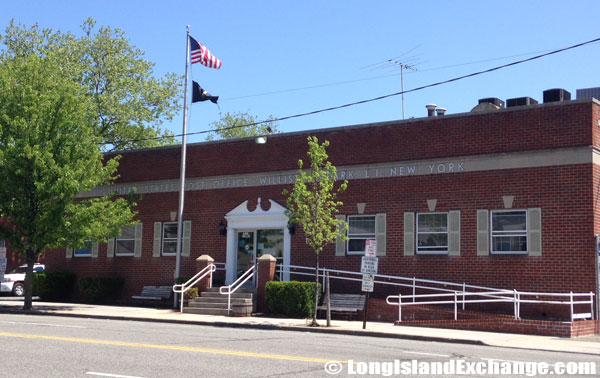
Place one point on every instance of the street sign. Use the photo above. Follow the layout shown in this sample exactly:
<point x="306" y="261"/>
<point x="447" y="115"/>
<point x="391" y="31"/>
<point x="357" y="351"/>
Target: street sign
<point x="368" y="283"/>
<point x="368" y="265"/>
<point x="371" y="248"/>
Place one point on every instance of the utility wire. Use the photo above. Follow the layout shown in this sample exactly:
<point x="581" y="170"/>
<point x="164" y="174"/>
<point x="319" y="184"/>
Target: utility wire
<point x="389" y="95"/>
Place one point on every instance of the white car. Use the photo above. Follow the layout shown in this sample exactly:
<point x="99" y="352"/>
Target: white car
<point x="14" y="281"/>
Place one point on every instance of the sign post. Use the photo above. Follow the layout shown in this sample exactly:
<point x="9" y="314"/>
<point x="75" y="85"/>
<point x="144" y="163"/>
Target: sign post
<point x="368" y="267"/>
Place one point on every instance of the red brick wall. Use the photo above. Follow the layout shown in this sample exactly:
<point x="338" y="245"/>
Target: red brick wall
<point x="567" y="195"/>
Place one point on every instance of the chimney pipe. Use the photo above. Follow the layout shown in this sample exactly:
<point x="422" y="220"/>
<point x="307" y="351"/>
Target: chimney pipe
<point x="431" y="110"/>
<point x="440" y="111"/>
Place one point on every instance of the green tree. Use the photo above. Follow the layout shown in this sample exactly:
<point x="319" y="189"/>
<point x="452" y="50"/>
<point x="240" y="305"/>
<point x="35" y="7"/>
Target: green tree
<point x="313" y="204"/>
<point x="129" y="103"/>
<point x="50" y="153"/>
<point x="240" y="125"/>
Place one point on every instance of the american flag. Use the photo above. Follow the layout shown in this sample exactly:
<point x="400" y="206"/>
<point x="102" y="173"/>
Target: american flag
<point x="200" y="54"/>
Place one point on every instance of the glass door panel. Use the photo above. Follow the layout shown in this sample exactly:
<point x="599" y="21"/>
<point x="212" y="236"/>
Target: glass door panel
<point x="270" y="242"/>
<point x="246" y="253"/>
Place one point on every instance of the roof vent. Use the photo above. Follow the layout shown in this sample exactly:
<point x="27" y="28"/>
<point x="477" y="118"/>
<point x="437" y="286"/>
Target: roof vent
<point x="520" y="101"/>
<point x="431" y="109"/>
<point x="556" y="95"/>
<point x="440" y="111"/>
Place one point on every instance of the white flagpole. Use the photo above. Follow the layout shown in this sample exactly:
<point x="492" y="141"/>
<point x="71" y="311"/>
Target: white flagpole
<point x="182" y="173"/>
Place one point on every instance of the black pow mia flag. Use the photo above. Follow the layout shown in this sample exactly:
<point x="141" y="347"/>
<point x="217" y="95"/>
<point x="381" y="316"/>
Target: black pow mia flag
<point x="199" y="94"/>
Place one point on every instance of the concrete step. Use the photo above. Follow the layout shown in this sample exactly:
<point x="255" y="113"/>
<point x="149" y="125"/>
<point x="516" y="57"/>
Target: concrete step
<point x="212" y="294"/>
<point x="240" y="290"/>
<point x="201" y="302"/>
<point x="206" y="311"/>
<point x="207" y="305"/>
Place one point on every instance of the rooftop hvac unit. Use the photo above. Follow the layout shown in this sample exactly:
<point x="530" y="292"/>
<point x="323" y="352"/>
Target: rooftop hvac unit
<point x="492" y="100"/>
<point x="520" y="101"/>
<point x="556" y="95"/>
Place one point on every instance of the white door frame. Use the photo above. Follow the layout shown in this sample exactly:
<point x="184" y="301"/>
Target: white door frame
<point x="241" y="218"/>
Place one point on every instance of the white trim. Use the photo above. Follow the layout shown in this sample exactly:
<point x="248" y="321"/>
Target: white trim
<point x="431" y="252"/>
<point x="240" y="218"/>
<point x="116" y="240"/>
<point x="371" y="236"/>
<point x="162" y="239"/>
<point x="524" y="233"/>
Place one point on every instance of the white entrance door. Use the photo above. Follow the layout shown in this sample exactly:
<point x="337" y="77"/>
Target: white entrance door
<point x="251" y="244"/>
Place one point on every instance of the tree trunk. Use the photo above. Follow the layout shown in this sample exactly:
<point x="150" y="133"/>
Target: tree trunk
<point x="28" y="299"/>
<point x="314" y="320"/>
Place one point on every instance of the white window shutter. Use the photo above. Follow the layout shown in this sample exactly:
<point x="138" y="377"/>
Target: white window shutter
<point x="94" y="250"/>
<point x="454" y="233"/>
<point x="483" y="232"/>
<point x="380" y="229"/>
<point x="409" y="234"/>
<point x="69" y="252"/>
<point x="534" y="238"/>
<point x="187" y="236"/>
<point x="157" y="247"/>
<point x="110" y="248"/>
<point x="137" y="248"/>
<point x="340" y="245"/>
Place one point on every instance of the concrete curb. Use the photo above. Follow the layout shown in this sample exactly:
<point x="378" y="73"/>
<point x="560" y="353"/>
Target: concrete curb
<point x="339" y="331"/>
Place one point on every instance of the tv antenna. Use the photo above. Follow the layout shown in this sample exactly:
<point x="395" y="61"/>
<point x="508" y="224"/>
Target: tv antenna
<point x="402" y="66"/>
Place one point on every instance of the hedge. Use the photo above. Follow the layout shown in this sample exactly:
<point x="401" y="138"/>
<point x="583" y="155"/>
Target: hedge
<point x="293" y="299"/>
<point x="53" y="286"/>
<point x="96" y="289"/>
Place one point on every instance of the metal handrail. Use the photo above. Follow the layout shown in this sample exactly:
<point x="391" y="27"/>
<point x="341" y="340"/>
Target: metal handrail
<point x="498" y="296"/>
<point x="182" y="288"/>
<point x="493" y="294"/>
<point x="236" y="285"/>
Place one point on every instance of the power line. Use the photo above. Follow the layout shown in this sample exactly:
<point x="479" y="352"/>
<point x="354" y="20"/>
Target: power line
<point x="389" y="95"/>
<point x="383" y="63"/>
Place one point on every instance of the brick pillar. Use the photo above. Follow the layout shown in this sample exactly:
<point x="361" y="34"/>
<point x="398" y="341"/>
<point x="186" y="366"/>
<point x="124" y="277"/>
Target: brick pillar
<point x="266" y="273"/>
<point x="201" y="263"/>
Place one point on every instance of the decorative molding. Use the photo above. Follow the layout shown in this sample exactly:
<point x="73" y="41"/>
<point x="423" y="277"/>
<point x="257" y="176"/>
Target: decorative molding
<point x="508" y="201"/>
<point x="173" y="216"/>
<point x="360" y="207"/>
<point x="431" y="204"/>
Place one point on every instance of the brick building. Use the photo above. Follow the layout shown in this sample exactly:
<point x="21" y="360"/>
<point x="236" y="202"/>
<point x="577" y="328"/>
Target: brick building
<point x="499" y="197"/>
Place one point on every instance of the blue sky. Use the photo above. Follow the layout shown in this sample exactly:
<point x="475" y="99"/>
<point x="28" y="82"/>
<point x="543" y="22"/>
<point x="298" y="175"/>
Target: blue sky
<point x="287" y="57"/>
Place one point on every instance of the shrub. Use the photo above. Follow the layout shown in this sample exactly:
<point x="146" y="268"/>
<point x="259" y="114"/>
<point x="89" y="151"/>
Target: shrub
<point x="191" y="293"/>
<point x="53" y="286"/>
<point x="95" y="289"/>
<point x="291" y="298"/>
<point x="182" y="280"/>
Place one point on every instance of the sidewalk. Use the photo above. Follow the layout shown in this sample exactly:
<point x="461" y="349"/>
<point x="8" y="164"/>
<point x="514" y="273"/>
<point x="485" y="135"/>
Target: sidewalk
<point x="587" y="345"/>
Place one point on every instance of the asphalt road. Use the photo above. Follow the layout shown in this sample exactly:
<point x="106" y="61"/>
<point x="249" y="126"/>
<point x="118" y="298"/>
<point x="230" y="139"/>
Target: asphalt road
<point x="45" y="346"/>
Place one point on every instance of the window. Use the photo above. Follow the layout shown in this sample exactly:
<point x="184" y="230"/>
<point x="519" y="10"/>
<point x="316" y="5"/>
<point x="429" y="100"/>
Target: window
<point x="84" y="252"/>
<point x="2" y="243"/>
<point x="125" y="243"/>
<point x="360" y="229"/>
<point x="169" y="239"/>
<point x="509" y="231"/>
<point x="432" y="233"/>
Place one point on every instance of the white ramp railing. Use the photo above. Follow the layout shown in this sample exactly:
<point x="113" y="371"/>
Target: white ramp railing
<point x="182" y="288"/>
<point x="228" y="290"/>
<point x="515" y="297"/>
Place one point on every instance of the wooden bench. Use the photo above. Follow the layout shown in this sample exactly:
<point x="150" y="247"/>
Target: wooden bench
<point x="154" y="293"/>
<point x="348" y="304"/>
